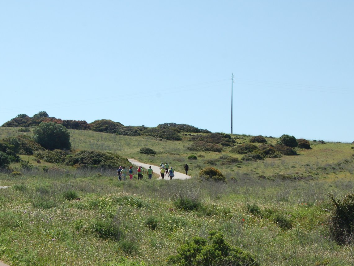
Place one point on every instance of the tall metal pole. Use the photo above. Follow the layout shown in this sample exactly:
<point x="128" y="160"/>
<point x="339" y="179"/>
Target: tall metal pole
<point x="232" y="101"/>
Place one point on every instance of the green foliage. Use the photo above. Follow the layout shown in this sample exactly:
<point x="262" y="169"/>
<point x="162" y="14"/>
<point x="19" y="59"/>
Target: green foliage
<point x="70" y="195"/>
<point x="214" y="138"/>
<point x="192" y="157"/>
<point x="130" y="130"/>
<point x="187" y="203"/>
<point x="105" y="125"/>
<point x="269" y="151"/>
<point x="211" y="173"/>
<point x="283" y="222"/>
<point x="289" y="141"/>
<point x="258" y="139"/>
<point x="151" y="222"/>
<point x="164" y="133"/>
<point x="342" y="220"/>
<point x="56" y="156"/>
<point x="22" y="120"/>
<point x="303" y="144"/>
<point x="129" y="247"/>
<point x="205" y="146"/>
<point x="254" y="209"/>
<point x="244" y="148"/>
<point x="285" y="150"/>
<point x="76" y="124"/>
<point x="147" y="151"/>
<point x="23" y="144"/>
<point x="252" y="157"/>
<point x="8" y="154"/>
<point x="107" y="229"/>
<point x="182" y="128"/>
<point x="96" y="159"/>
<point x="52" y="136"/>
<point x="214" y="251"/>
<point x="4" y="160"/>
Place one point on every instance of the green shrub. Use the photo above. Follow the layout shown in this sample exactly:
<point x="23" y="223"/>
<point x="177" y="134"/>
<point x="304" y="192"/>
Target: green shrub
<point x="303" y="144"/>
<point x="187" y="203"/>
<point x="70" y="195"/>
<point x="214" y="251"/>
<point x="342" y="219"/>
<point x="269" y="151"/>
<point x="147" y="151"/>
<point x="151" y="222"/>
<point x="285" y="150"/>
<point x="283" y="222"/>
<point x="288" y="140"/>
<point x="205" y="146"/>
<point x="192" y="157"/>
<point x="107" y="229"/>
<point x="129" y="247"/>
<point x="252" y="157"/>
<point x="214" y="138"/>
<point x="258" y="139"/>
<point x="24" y="144"/>
<point x="96" y="159"/>
<point x="244" y="148"/>
<point x="105" y="125"/>
<point x="56" y="156"/>
<point x="254" y="209"/>
<point x="52" y="136"/>
<point x="4" y="160"/>
<point x="162" y="133"/>
<point x="211" y="173"/>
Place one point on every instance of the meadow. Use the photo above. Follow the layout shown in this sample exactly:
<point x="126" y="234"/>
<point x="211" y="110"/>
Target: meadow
<point x="277" y="209"/>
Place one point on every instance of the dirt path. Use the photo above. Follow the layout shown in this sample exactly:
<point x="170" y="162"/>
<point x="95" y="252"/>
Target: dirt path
<point x="156" y="170"/>
<point x="3" y="264"/>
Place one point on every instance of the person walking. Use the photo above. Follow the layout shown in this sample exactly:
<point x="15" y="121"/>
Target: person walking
<point x="131" y="172"/>
<point x="150" y="171"/>
<point x="119" y="173"/>
<point x="124" y="173"/>
<point x="186" y="168"/>
<point x="140" y="173"/>
<point x="166" y="168"/>
<point x="162" y="172"/>
<point x="171" y="173"/>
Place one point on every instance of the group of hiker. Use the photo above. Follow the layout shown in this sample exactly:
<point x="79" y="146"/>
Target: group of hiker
<point x="165" y="170"/>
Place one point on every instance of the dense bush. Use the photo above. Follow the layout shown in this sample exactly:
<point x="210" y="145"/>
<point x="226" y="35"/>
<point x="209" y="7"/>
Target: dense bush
<point x="269" y="151"/>
<point x="205" y="146"/>
<point x="215" y="138"/>
<point x="9" y="152"/>
<point x="76" y="124"/>
<point x="56" y="156"/>
<point x="187" y="203"/>
<point x="211" y="173"/>
<point x="252" y="157"/>
<point x="52" y="136"/>
<point x="342" y="220"/>
<point x="4" y="160"/>
<point x="22" y="120"/>
<point x="166" y="133"/>
<point x="96" y="159"/>
<point x="147" y="151"/>
<point x="24" y="144"/>
<point x="192" y="157"/>
<point x="214" y="251"/>
<point x="258" y="139"/>
<point x="107" y="126"/>
<point x="107" y="229"/>
<point x="182" y="128"/>
<point x="304" y="144"/>
<point x="130" y="131"/>
<point x="285" y="150"/>
<point x="288" y="140"/>
<point x="244" y="148"/>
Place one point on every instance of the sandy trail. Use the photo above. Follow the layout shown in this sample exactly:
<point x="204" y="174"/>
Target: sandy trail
<point x="156" y="170"/>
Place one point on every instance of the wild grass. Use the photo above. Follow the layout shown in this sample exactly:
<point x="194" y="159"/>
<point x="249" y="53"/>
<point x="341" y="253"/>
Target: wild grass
<point x="79" y="217"/>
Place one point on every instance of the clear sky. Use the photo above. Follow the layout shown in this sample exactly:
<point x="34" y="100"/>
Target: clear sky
<point x="152" y="62"/>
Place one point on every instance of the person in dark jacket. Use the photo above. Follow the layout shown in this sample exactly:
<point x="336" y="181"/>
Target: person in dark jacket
<point x="186" y="168"/>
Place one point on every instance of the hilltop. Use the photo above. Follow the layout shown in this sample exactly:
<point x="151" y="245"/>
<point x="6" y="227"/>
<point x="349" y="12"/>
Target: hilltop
<point x="274" y="204"/>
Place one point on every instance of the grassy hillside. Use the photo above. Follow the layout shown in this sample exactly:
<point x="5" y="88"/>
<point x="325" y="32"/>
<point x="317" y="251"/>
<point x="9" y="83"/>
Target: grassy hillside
<point x="277" y="209"/>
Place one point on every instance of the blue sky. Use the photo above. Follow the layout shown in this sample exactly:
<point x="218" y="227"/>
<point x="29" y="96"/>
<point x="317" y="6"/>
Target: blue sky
<point x="152" y="62"/>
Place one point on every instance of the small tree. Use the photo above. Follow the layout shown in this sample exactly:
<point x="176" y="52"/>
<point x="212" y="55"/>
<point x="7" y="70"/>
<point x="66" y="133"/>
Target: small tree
<point x="288" y="140"/>
<point x="52" y="136"/>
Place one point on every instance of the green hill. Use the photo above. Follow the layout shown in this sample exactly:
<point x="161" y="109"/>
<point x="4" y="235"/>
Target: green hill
<point x="275" y="207"/>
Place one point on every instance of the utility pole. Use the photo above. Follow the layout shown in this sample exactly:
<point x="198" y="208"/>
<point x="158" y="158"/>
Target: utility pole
<point x="232" y="101"/>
